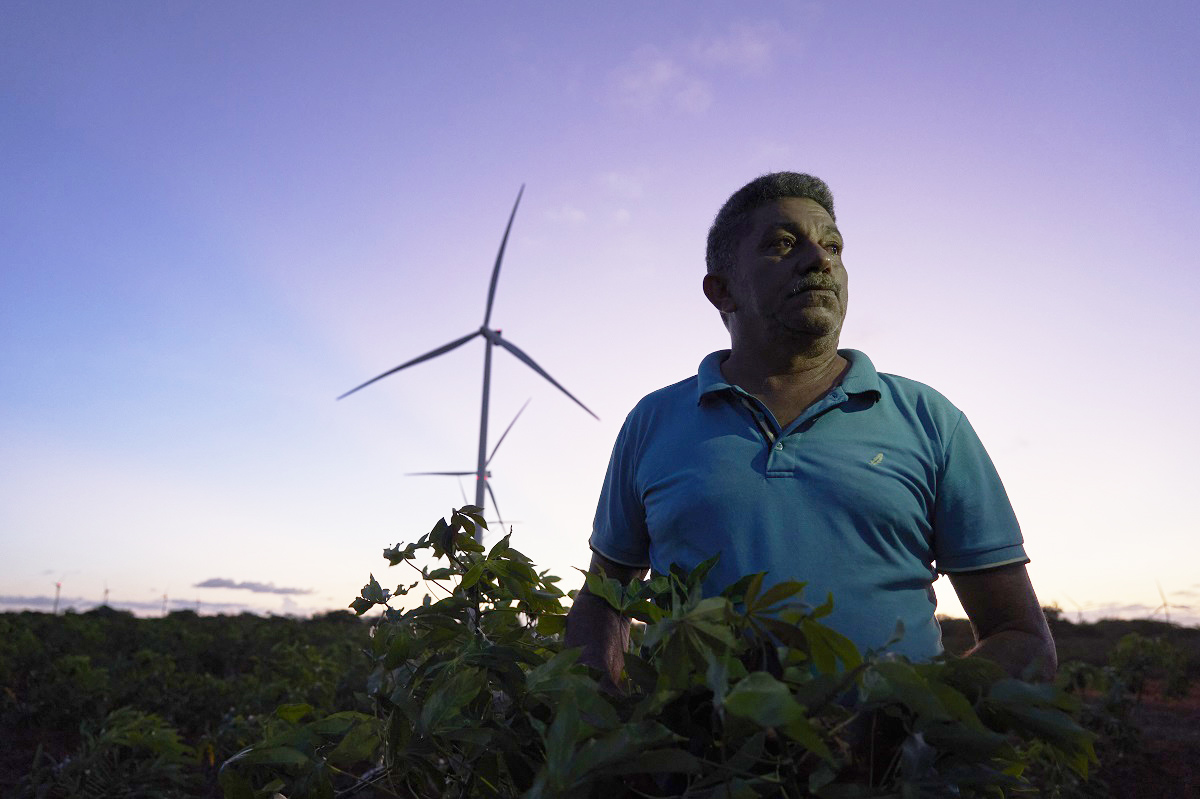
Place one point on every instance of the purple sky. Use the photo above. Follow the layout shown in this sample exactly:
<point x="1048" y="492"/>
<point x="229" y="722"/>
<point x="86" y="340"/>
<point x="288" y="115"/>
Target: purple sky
<point x="217" y="217"/>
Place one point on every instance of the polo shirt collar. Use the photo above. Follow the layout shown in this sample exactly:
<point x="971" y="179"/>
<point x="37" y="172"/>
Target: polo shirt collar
<point x="861" y="377"/>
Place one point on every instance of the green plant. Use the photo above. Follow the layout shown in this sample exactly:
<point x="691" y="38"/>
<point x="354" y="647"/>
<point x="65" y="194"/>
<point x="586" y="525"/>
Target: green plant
<point x="741" y="695"/>
<point x="129" y="754"/>
<point x="215" y="680"/>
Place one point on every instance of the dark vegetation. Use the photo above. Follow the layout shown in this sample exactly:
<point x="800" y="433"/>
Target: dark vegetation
<point x="1140" y="679"/>
<point x="470" y="695"/>
<point x="105" y="704"/>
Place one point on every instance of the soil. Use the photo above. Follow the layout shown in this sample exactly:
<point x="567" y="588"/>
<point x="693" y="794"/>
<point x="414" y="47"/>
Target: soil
<point x="1168" y="763"/>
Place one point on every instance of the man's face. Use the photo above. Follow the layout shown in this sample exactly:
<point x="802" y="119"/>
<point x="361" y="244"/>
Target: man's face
<point x="788" y="279"/>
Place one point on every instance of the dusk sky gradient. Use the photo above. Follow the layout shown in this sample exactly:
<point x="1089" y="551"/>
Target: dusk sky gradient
<point x="217" y="217"/>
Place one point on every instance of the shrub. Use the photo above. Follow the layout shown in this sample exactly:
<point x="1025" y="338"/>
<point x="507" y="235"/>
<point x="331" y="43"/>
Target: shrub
<point x="130" y="754"/>
<point x="741" y="695"/>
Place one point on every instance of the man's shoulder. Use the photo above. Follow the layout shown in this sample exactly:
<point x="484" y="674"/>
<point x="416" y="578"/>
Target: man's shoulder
<point x="686" y="392"/>
<point x="914" y="389"/>
<point x="668" y="397"/>
<point x="919" y="402"/>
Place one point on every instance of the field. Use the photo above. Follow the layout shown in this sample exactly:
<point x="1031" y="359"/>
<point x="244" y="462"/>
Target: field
<point x="1163" y="759"/>
<point x="81" y="692"/>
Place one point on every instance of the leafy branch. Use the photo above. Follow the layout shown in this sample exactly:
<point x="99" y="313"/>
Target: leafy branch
<point x="744" y="694"/>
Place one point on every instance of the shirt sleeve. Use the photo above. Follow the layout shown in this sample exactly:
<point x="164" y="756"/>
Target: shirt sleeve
<point x="974" y="526"/>
<point x="619" y="532"/>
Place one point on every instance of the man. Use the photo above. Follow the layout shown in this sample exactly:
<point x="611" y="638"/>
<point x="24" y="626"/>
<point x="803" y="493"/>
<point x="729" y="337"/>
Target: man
<point x="789" y="456"/>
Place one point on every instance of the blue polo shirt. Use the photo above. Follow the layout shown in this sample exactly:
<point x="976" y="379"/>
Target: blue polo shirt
<point x="871" y="492"/>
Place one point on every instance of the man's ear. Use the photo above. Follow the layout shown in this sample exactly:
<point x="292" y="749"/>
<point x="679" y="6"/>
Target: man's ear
<point x="716" y="288"/>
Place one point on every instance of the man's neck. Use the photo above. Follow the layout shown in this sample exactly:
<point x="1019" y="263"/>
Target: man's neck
<point x="787" y="384"/>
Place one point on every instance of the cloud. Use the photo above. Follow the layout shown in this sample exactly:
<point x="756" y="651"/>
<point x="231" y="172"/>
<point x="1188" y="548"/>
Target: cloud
<point x="258" y="588"/>
<point x="567" y="213"/>
<point x="622" y="185"/>
<point x="746" y="48"/>
<point x="152" y="607"/>
<point x="651" y="80"/>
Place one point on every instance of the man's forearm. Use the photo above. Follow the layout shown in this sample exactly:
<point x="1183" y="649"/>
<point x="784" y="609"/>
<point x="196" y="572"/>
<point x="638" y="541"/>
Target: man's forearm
<point x="595" y="625"/>
<point x="1022" y="654"/>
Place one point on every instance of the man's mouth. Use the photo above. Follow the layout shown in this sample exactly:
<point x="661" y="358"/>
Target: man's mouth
<point x="800" y="289"/>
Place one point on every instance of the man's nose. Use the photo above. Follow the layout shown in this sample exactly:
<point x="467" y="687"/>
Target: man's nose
<point x="816" y="259"/>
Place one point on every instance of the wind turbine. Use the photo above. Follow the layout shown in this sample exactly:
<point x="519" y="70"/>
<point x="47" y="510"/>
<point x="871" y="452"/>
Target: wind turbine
<point x="1166" y="606"/>
<point x="492" y="338"/>
<point x="1078" y="608"/>
<point x="487" y="476"/>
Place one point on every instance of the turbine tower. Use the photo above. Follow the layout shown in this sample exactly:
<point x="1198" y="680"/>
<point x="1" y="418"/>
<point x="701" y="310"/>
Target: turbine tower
<point x="487" y="475"/>
<point x="492" y="338"/>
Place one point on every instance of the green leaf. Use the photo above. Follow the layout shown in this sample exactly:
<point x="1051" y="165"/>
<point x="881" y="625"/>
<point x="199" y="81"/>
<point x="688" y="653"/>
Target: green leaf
<point x="452" y="692"/>
<point x="645" y="611"/>
<point x="716" y="675"/>
<point x="552" y="623"/>
<point x="374" y="592"/>
<point x="542" y="677"/>
<point x="826" y="646"/>
<point x="1011" y="690"/>
<point x="395" y="555"/>
<point x="753" y="587"/>
<point x="902" y="683"/>
<point x="472" y="576"/>
<point x="764" y="700"/>
<point x="500" y="548"/>
<point x="965" y="740"/>
<point x="825" y="608"/>
<point x="269" y="756"/>
<point x="361" y="605"/>
<point x="803" y="732"/>
<point x="954" y="702"/>
<point x="701" y="571"/>
<point x="607" y="588"/>
<point x="560" y="742"/>
<point x="778" y="593"/>
<point x="293" y="712"/>
<point x="360" y="743"/>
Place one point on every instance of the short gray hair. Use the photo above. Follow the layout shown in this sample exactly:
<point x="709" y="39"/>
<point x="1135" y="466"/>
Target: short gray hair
<point x="729" y="224"/>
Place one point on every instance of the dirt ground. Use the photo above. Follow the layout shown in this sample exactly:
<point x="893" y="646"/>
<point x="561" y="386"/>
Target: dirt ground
<point x="1168" y="765"/>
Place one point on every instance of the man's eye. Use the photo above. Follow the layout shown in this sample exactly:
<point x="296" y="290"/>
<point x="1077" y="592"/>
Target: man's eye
<point x="783" y="243"/>
<point x="833" y="248"/>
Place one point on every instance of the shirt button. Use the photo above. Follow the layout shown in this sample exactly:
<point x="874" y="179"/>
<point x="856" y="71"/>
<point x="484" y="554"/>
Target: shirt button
<point x="779" y="446"/>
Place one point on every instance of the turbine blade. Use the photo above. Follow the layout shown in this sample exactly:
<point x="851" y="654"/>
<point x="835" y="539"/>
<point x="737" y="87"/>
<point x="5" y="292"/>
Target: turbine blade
<point x="463" y="491"/>
<point x="495" y="504"/>
<point x="510" y="427"/>
<point x="487" y="315"/>
<point x="448" y="474"/>
<point x="515" y="350"/>
<point x="433" y="354"/>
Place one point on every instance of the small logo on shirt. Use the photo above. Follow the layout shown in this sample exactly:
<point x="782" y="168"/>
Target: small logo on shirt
<point x="878" y="459"/>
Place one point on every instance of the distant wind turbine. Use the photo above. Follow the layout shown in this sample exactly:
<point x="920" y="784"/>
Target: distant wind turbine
<point x="487" y="476"/>
<point x="1166" y="606"/>
<point x="493" y="338"/>
<point x="1078" y="608"/>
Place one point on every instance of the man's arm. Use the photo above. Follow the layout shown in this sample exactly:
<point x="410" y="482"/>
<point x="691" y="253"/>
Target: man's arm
<point x="596" y="626"/>
<point x="1010" y="627"/>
